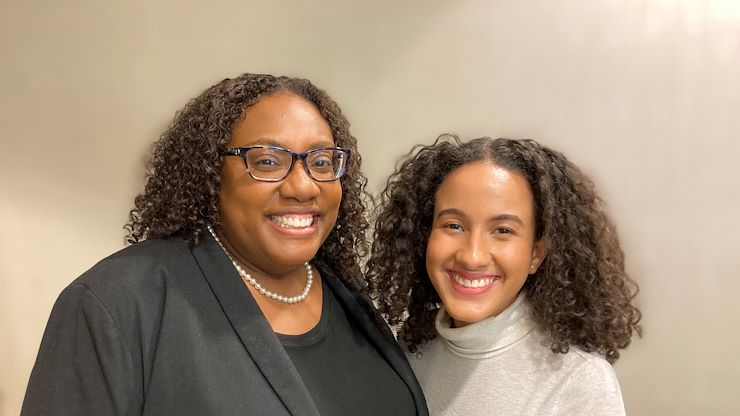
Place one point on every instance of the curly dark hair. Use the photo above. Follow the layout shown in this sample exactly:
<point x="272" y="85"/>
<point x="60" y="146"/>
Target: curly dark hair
<point x="184" y="174"/>
<point x="580" y="294"/>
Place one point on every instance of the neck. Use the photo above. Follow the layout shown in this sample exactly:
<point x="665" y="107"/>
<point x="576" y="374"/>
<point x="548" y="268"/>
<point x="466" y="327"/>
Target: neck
<point x="489" y="336"/>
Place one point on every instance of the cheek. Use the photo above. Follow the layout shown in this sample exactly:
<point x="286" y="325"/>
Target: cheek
<point x="243" y="201"/>
<point x="516" y="257"/>
<point x="333" y="197"/>
<point x="233" y="173"/>
<point x="226" y="205"/>
<point x="439" y="249"/>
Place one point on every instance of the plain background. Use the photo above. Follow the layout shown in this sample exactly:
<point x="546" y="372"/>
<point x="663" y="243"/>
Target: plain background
<point x="643" y="95"/>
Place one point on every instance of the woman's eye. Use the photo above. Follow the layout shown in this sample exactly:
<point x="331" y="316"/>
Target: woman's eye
<point x="454" y="226"/>
<point x="503" y="230"/>
<point x="322" y="163"/>
<point x="266" y="162"/>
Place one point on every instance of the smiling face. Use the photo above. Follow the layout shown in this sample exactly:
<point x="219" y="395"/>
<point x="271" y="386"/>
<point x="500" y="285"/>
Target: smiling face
<point x="274" y="227"/>
<point x="482" y="244"/>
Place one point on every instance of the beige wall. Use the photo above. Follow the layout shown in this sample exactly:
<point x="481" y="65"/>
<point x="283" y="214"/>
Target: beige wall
<point x="644" y="95"/>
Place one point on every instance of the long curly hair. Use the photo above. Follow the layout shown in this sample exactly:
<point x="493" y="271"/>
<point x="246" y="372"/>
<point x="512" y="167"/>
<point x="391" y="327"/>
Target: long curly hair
<point x="184" y="173"/>
<point x="580" y="294"/>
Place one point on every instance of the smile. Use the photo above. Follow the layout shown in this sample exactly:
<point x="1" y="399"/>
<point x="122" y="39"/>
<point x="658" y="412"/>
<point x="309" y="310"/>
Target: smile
<point x="292" y="221"/>
<point x="473" y="283"/>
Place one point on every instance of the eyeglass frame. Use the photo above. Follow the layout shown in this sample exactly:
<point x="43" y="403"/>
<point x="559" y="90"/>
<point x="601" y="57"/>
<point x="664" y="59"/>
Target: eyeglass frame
<point x="242" y="153"/>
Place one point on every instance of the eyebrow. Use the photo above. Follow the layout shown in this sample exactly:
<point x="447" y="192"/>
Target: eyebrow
<point x="266" y="141"/>
<point x="500" y="217"/>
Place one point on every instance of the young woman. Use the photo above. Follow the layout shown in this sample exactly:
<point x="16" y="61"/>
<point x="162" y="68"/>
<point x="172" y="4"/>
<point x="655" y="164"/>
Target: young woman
<point x="496" y="262"/>
<point x="241" y="293"/>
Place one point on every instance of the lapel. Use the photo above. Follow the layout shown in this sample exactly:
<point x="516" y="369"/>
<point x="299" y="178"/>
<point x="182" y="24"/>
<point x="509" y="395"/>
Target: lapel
<point x="361" y="311"/>
<point x="252" y="328"/>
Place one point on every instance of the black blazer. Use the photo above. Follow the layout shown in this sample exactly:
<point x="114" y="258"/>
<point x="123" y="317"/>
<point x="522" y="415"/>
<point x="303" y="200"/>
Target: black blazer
<point x="161" y="328"/>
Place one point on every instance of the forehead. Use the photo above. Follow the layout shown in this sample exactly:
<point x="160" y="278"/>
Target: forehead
<point x="483" y="189"/>
<point x="284" y="120"/>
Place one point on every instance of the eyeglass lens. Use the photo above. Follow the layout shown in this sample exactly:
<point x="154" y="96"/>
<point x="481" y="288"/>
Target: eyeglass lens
<point x="274" y="164"/>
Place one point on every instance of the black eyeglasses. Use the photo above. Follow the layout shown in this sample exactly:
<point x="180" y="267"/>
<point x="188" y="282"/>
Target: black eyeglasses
<point x="273" y="164"/>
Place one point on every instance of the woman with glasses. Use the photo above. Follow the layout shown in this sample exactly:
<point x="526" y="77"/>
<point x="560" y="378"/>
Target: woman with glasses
<point x="498" y="263"/>
<point x="241" y="293"/>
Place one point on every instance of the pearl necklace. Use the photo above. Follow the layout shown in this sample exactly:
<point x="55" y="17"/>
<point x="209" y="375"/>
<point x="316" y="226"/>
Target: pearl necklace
<point x="247" y="278"/>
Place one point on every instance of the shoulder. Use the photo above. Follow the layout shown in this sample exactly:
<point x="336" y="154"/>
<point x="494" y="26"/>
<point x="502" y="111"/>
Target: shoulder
<point x="537" y="344"/>
<point x="354" y="283"/>
<point x="591" y="371"/>
<point x="144" y="254"/>
<point x="135" y="261"/>
<point x="351" y="292"/>
<point x="590" y="362"/>
<point x="352" y="286"/>
<point x="137" y="273"/>
<point x="592" y="384"/>
<point x="580" y="367"/>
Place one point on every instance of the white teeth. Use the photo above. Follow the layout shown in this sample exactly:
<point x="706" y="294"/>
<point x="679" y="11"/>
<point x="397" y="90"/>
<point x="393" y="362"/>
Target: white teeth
<point x="286" y="221"/>
<point x="472" y="283"/>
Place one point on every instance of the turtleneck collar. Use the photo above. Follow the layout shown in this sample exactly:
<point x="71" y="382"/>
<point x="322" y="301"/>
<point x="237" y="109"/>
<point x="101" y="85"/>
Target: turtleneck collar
<point x="490" y="336"/>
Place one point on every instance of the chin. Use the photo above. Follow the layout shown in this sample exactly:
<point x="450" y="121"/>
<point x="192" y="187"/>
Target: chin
<point x="466" y="315"/>
<point x="293" y="249"/>
<point x="294" y="258"/>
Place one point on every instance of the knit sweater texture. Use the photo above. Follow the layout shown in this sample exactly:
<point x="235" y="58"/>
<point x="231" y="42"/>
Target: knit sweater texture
<point x="503" y="365"/>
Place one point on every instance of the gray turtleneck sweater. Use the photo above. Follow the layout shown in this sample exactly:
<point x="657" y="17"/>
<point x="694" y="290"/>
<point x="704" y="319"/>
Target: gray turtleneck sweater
<point x="504" y="366"/>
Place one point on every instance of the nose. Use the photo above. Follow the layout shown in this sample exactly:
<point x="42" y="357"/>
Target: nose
<point x="298" y="185"/>
<point x="474" y="253"/>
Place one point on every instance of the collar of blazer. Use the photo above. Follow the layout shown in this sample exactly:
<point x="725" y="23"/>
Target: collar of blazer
<point x="263" y="345"/>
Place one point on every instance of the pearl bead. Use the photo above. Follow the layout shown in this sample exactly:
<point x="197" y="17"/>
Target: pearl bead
<point x="247" y="278"/>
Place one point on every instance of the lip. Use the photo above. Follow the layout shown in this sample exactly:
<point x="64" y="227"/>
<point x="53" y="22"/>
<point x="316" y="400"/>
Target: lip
<point x="478" y="276"/>
<point x="297" y="211"/>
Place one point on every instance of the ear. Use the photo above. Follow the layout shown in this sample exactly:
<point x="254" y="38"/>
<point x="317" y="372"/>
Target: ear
<point x="539" y="252"/>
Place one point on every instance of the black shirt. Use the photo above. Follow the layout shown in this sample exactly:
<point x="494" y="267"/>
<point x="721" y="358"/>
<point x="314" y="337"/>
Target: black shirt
<point x="366" y="385"/>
